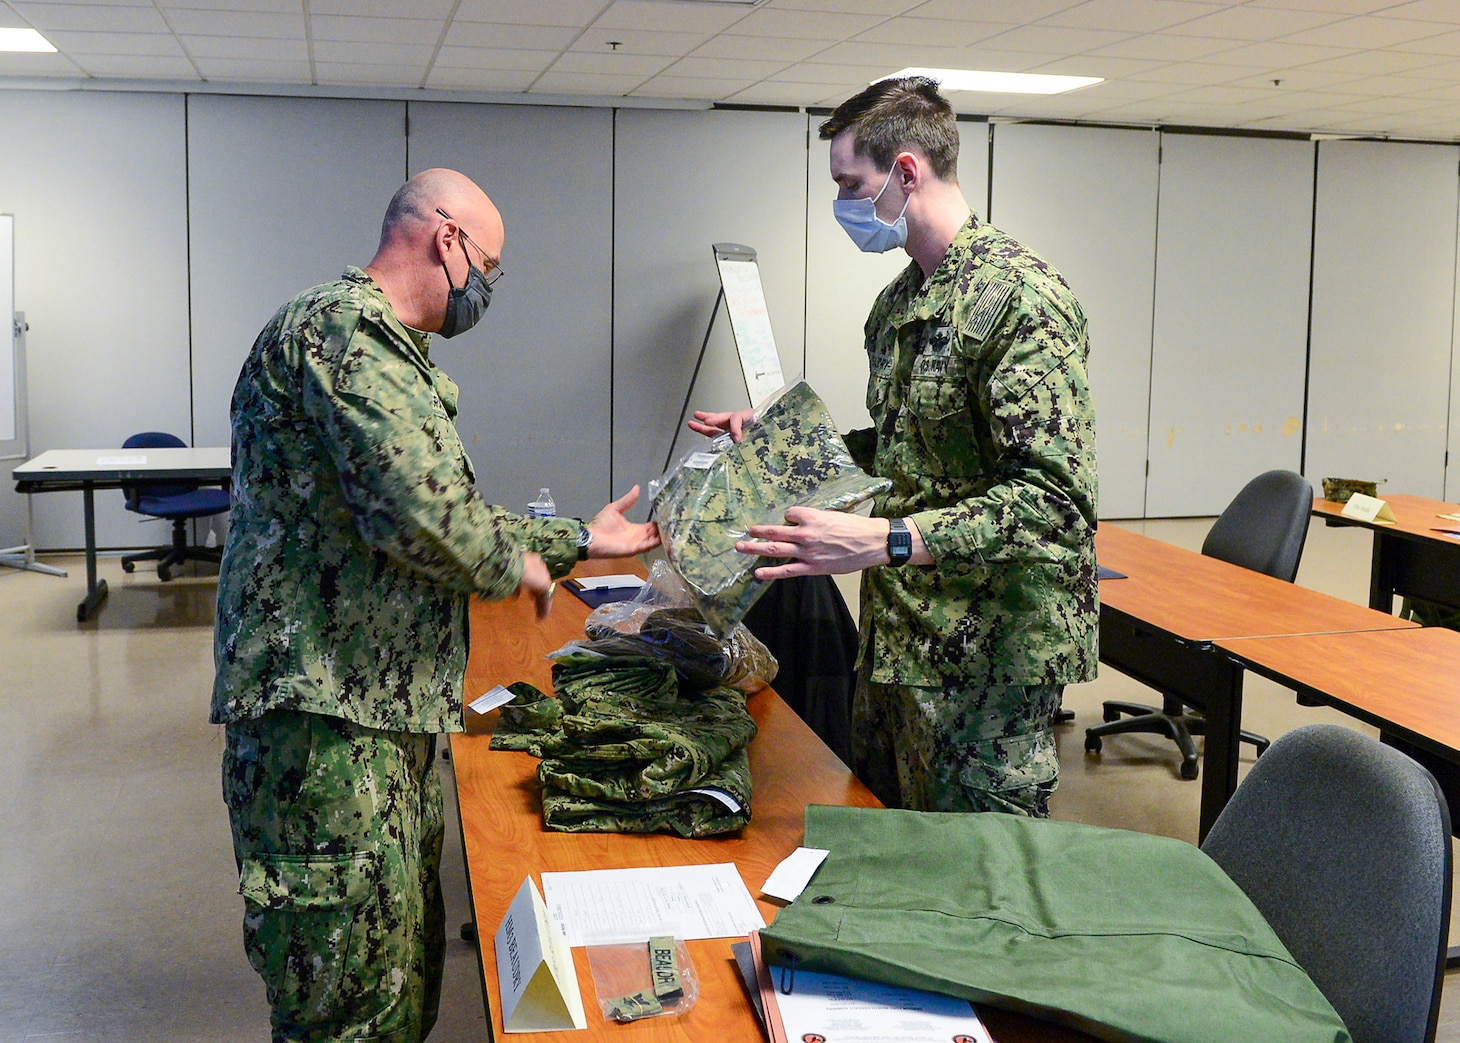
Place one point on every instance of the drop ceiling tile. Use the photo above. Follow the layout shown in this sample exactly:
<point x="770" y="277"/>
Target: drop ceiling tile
<point x="485" y="58"/>
<point x="850" y="77"/>
<point x="574" y="13"/>
<point x="1053" y="38"/>
<point x="1104" y="67"/>
<point x="992" y="60"/>
<point x="153" y="44"/>
<point x="1447" y="44"/>
<point x="253" y="70"/>
<point x="879" y="7"/>
<point x="1348" y="7"/>
<point x="1443" y="11"/>
<point x="236" y="23"/>
<point x="367" y="74"/>
<point x="1167" y="47"/>
<point x="892" y="57"/>
<point x="584" y="83"/>
<point x="941" y="31"/>
<point x="498" y="34"/>
<point x="16" y="63"/>
<point x="1276" y="55"/>
<point x="407" y="55"/>
<point x="1195" y="74"/>
<point x="384" y="8"/>
<point x="766" y="93"/>
<point x="1389" y="106"/>
<point x="94" y="19"/>
<point x="1133" y="16"/>
<point x="691" y="88"/>
<point x="639" y="41"/>
<point x="1368" y="31"/>
<point x="645" y="14"/>
<point x="727" y="46"/>
<point x="1378" y="62"/>
<point x="248" y="49"/>
<point x="1014" y="11"/>
<point x="1250" y="23"/>
<point x="137" y="67"/>
<point x="1448" y="95"/>
<point x="506" y="80"/>
<point x="1302" y="79"/>
<point x="614" y="64"/>
<point x="10" y="20"/>
<point x="260" y="6"/>
<point x="376" y="30"/>
<point x="804" y="25"/>
<point x="723" y="69"/>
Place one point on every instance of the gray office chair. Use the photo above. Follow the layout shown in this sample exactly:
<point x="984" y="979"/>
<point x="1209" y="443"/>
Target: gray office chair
<point x="1343" y="844"/>
<point x="1263" y="529"/>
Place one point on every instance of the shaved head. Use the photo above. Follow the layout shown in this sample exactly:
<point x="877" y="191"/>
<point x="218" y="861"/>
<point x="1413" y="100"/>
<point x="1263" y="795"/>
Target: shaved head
<point x="412" y="211"/>
<point x="424" y="251"/>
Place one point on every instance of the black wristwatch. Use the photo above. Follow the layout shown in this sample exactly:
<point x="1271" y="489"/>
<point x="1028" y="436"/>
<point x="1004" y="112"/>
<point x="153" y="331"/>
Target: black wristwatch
<point x="585" y="540"/>
<point x="899" y="542"/>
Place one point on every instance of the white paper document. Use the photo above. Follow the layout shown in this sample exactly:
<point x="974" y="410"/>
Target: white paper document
<point x="607" y="582"/>
<point x="830" y="1007"/>
<point x="790" y="878"/>
<point x="615" y="906"/>
<point x="494" y="697"/>
<point x="121" y="461"/>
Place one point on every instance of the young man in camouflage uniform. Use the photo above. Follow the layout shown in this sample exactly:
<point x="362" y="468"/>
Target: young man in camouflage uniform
<point x="355" y="540"/>
<point x="979" y="597"/>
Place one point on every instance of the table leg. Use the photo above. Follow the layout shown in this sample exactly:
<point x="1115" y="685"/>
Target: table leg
<point x="1381" y="574"/>
<point x="95" y="589"/>
<point x="1223" y="736"/>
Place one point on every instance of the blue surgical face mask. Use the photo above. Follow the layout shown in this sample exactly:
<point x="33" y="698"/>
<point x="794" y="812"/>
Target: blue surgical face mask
<point x="858" y="217"/>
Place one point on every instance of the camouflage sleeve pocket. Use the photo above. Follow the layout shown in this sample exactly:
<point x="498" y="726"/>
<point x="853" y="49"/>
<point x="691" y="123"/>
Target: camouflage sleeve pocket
<point x="303" y="882"/>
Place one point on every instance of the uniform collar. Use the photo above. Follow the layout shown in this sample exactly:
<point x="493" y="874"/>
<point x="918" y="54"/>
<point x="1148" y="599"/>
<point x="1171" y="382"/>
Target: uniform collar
<point x="927" y="298"/>
<point x="385" y="314"/>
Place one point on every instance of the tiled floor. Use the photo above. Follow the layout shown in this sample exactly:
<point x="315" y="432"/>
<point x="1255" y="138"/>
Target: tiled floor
<point x="119" y="919"/>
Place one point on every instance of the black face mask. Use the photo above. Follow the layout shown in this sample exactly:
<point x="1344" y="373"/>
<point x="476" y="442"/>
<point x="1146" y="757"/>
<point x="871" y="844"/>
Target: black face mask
<point x="465" y="305"/>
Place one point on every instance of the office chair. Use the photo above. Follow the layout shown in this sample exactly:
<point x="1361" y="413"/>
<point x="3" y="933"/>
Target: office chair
<point x="1263" y="529"/>
<point x="1343" y="844"/>
<point x="177" y="501"/>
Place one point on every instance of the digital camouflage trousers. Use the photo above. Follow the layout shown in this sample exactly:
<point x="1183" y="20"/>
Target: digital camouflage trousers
<point x="337" y="832"/>
<point x="957" y="747"/>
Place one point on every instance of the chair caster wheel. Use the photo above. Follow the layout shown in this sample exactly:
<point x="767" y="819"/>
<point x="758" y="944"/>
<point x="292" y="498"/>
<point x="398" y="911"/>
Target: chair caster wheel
<point x="1093" y="744"/>
<point x="164" y="573"/>
<point x="468" y="931"/>
<point x="1188" y="770"/>
<point x="129" y="567"/>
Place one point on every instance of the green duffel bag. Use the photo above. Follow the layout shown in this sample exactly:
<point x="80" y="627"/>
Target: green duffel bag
<point x="1121" y="935"/>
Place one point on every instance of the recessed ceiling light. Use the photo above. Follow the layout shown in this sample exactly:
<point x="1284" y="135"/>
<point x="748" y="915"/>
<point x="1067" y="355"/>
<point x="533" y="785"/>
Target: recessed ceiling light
<point x="24" y="40"/>
<point x="1001" y="82"/>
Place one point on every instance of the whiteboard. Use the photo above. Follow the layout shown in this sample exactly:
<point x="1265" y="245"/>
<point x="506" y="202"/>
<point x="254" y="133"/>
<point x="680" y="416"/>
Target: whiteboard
<point x="9" y="427"/>
<point x="750" y="320"/>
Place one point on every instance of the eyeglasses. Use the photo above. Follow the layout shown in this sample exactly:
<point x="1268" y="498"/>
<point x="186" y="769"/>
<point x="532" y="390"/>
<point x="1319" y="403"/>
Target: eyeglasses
<point x="492" y="269"/>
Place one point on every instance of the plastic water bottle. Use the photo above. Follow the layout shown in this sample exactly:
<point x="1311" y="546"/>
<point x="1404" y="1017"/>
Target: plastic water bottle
<point x="543" y="506"/>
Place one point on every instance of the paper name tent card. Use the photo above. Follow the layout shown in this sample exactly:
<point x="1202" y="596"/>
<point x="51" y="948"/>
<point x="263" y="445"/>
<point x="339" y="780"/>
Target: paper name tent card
<point x="1368" y="509"/>
<point x="539" y="985"/>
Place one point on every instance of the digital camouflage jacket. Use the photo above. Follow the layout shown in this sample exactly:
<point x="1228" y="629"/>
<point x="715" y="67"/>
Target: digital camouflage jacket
<point x="982" y="420"/>
<point x="356" y="533"/>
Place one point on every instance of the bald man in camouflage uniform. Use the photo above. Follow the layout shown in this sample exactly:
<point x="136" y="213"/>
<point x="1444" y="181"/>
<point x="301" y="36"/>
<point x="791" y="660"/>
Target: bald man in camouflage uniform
<point x="982" y="420"/>
<point x="355" y="540"/>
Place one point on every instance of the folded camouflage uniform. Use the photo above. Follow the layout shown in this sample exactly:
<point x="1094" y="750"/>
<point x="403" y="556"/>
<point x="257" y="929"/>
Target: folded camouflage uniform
<point x="625" y="752"/>
<point x="688" y="813"/>
<point x="792" y="455"/>
<point x="619" y="748"/>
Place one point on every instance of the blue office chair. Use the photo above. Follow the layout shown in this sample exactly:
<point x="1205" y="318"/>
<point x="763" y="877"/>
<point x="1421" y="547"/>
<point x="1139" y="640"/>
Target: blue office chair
<point x="178" y="501"/>
<point x="1343" y="844"/>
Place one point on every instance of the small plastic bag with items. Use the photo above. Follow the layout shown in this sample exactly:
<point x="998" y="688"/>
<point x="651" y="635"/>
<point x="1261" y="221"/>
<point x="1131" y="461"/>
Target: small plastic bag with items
<point x="642" y="980"/>
<point x="662" y="621"/>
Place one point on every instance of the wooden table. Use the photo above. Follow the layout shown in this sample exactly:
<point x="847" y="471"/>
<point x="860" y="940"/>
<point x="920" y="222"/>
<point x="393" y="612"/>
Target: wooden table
<point x="1409" y="556"/>
<point x="1162" y="624"/>
<point x="1405" y="682"/>
<point x="87" y="470"/>
<point x="501" y="818"/>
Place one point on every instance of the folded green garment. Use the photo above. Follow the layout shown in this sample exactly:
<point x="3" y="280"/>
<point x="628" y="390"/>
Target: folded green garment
<point x="792" y="455"/>
<point x="1122" y="935"/>
<point x="581" y="679"/>
<point x="527" y="720"/>
<point x="623" y="750"/>
<point x="685" y="812"/>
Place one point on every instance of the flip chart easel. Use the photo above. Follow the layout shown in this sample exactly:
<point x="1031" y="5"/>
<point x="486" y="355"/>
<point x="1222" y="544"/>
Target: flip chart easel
<point x="750" y="324"/>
